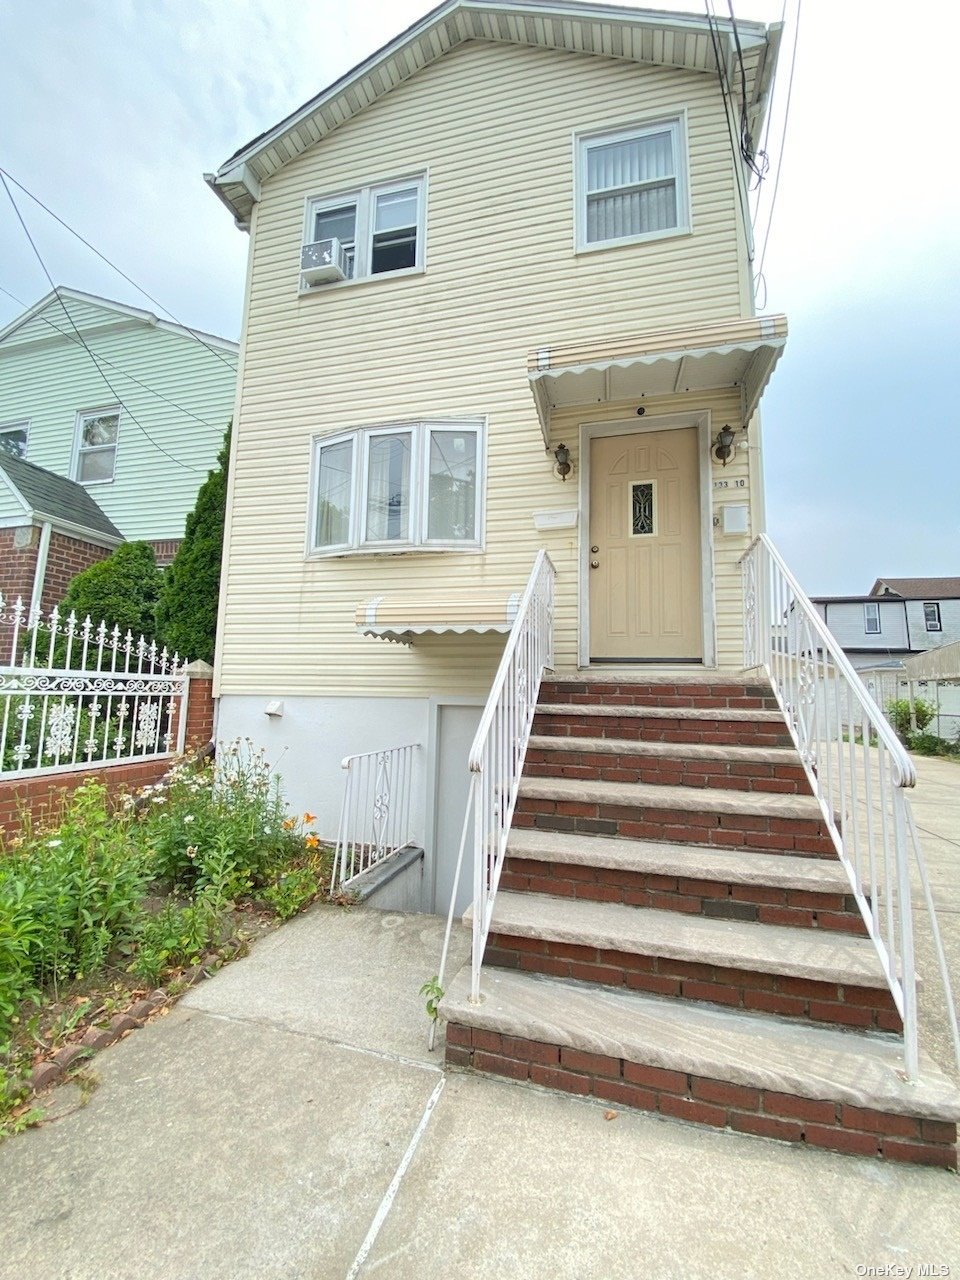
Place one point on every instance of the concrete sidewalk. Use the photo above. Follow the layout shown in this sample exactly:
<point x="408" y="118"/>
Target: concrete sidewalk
<point x="258" y="1132"/>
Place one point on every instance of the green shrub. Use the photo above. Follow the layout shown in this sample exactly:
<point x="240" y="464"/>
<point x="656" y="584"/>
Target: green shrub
<point x="292" y="891"/>
<point x="899" y="712"/>
<point x="176" y="936"/>
<point x="122" y="591"/>
<point x="187" y="610"/>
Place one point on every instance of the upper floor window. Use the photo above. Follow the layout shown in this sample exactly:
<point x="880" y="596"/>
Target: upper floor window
<point x="931" y="616"/>
<point x="374" y="231"/>
<point x="13" y="438"/>
<point x="415" y="484"/>
<point x="97" y="445"/>
<point x="632" y="185"/>
<point x="871" y="618"/>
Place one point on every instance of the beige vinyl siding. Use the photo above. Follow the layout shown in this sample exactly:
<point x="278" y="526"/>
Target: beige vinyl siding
<point x="492" y="126"/>
<point x="54" y="379"/>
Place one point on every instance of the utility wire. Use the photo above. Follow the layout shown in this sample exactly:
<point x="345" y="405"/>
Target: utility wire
<point x="756" y="162"/>
<point x="103" y="258"/>
<point x="43" y="265"/>
<point x="112" y="365"/>
<point x="725" y="94"/>
<point x="783" y="139"/>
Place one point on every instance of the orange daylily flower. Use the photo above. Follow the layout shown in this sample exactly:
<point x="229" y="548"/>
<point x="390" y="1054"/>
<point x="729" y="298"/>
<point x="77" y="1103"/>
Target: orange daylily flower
<point x="289" y="824"/>
<point x="309" y="817"/>
<point x="312" y="842"/>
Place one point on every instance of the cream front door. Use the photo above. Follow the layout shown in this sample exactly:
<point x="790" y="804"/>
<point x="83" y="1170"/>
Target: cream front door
<point x="645" y="547"/>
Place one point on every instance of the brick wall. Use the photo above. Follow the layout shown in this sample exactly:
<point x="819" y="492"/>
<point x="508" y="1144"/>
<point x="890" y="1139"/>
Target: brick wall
<point x="42" y="794"/>
<point x="65" y="559"/>
<point x="18" y="564"/>
<point x="165" y="549"/>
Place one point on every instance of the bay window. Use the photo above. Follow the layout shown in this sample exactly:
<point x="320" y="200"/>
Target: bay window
<point x="400" y="487"/>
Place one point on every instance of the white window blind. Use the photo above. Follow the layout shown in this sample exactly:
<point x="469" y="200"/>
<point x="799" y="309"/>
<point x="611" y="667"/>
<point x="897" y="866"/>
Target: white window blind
<point x="632" y="185"/>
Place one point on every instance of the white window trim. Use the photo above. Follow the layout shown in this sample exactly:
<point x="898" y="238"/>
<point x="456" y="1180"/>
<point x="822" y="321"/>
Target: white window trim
<point x="78" y="434"/>
<point x="867" y="607"/>
<point x="932" y="604"/>
<point x="365" y="197"/>
<point x="360" y="437"/>
<point x="18" y="424"/>
<point x="676" y="122"/>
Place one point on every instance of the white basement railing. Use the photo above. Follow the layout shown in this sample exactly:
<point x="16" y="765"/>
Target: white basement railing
<point x="497" y="755"/>
<point x="74" y="695"/>
<point x="375" y="818"/>
<point x="857" y="766"/>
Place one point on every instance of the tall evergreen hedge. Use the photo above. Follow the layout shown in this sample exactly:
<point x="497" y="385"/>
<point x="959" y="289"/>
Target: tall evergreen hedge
<point x="187" y="609"/>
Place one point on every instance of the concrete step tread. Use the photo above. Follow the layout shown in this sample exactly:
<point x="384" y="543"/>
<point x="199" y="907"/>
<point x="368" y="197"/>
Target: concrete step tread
<point x="643" y="674"/>
<point x="861" y="1069"/>
<point x="693" y="862"/>
<point x="669" y="750"/>
<point x="817" y="954"/>
<point x="748" y="715"/>
<point x="653" y="795"/>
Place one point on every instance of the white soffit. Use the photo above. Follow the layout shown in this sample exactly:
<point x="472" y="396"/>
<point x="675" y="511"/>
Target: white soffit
<point x="564" y="377"/>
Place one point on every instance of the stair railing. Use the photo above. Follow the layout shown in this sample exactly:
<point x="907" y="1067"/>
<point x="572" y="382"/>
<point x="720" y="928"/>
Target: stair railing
<point x="497" y="755"/>
<point x="857" y="766"/>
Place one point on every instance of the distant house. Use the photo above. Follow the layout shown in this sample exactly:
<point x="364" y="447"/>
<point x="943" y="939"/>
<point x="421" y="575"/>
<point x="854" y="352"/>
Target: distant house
<point x="896" y="618"/>
<point x="119" y="415"/>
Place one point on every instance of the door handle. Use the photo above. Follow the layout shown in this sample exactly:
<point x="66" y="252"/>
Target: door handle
<point x="594" y="564"/>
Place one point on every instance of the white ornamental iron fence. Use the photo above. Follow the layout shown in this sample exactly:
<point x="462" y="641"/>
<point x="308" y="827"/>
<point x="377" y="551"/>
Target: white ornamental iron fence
<point x="859" y="778"/>
<point x="375" y="817"/>
<point x="496" y="759"/>
<point x="74" y="694"/>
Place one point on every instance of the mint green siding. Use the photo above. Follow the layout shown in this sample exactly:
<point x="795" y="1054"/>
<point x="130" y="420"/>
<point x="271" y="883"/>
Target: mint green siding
<point x="163" y="451"/>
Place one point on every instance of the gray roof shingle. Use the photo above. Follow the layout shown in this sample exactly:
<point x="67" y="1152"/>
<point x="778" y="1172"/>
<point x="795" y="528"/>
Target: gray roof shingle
<point x="918" y="588"/>
<point x="48" y="494"/>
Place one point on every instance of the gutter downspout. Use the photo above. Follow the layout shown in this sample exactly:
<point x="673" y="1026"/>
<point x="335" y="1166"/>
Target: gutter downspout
<point x="40" y="572"/>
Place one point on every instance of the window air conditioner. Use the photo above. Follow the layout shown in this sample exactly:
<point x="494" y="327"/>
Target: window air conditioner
<point x="322" y="262"/>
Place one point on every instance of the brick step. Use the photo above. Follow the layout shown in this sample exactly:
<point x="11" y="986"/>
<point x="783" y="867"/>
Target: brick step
<point x="733" y="727"/>
<point x="799" y="1083"/>
<point x="686" y="815"/>
<point x="668" y="692"/>
<point x="778" y="969"/>
<point x="773" y="769"/>
<point x="806" y="892"/>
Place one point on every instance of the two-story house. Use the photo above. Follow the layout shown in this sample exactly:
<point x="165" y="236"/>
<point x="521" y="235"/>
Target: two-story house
<point x="897" y="619"/>
<point x="500" y="373"/>
<point x="111" y="419"/>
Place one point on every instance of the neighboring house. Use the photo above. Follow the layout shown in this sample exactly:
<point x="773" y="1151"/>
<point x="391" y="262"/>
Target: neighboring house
<point x="499" y="341"/>
<point x="896" y="619"/>
<point x="131" y="408"/>
<point x="50" y="529"/>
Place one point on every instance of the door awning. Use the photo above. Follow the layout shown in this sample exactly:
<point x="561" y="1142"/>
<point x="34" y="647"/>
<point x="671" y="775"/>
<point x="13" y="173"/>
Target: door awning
<point x="402" y="618"/>
<point x="731" y="353"/>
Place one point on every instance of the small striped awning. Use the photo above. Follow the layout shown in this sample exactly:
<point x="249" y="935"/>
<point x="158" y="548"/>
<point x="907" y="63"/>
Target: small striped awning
<point x="731" y="353"/>
<point x="401" y="618"/>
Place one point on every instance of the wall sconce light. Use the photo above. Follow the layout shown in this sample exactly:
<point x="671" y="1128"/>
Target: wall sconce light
<point x="723" y="445"/>
<point x="562" y="455"/>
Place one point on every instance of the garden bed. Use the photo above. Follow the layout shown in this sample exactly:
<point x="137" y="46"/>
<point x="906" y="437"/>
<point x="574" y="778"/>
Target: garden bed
<point x="109" y="910"/>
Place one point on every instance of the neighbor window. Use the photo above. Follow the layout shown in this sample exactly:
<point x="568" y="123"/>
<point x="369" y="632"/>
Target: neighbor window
<point x="931" y="617"/>
<point x="13" y="439"/>
<point x="871" y="618"/>
<point x="416" y="484"/>
<point x="379" y="229"/>
<point x="97" y="445"/>
<point x="631" y="185"/>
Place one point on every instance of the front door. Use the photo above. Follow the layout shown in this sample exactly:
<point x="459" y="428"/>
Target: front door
<point x="645" y="547"/>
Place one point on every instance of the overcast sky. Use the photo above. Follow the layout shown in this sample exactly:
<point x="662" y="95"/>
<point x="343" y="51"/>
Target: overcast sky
<point x="113" y="110"/>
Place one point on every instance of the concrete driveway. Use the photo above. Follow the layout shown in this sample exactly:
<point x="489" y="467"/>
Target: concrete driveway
<point x="286" y="1120"/>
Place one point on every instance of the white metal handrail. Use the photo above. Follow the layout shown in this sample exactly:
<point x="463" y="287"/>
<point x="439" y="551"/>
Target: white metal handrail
<point x="375" y="816"/>
<point x="857" y="766"/>
<point x="497" y="755"/>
